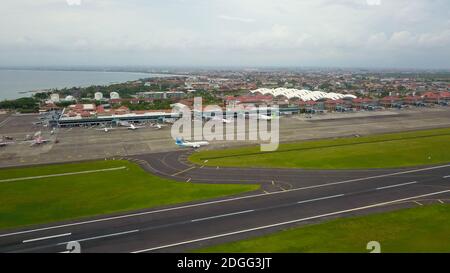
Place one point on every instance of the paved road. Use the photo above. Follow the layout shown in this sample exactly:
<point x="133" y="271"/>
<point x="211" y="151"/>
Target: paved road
<point x="288" y="198"/>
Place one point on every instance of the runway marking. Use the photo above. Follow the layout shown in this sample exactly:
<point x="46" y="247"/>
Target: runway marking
<point x="5" y="121"/>
<point x="45" y="238"/>
<point x="213" y="202"/>
<point x="61" y="174"/>
<point x="398" y="185"/>
<point x="369" y="178"/>
<point x="289" y="222"/>
<point x="418" y="203"/>
<point x="189" y="180"/>
<point x="440" y="201"/>
<point x="178" y="173"/>
<point x="222" y="216"/>
<point x="103" y="236"/>
<point x="322" y="198"/>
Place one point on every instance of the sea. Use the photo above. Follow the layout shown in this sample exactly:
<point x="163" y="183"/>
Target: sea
<point x="18" y="83"/>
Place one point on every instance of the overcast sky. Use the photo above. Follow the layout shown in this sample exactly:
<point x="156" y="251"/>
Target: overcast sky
<point x="349" y="33"/>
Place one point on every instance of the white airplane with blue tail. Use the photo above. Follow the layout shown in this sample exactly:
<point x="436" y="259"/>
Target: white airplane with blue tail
<point x="186" y="144"/>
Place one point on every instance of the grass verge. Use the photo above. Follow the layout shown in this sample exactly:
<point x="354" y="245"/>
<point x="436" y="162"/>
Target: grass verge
<point x="46" y="200"/>
<point x="376" y="151"/>
<point x="422" y="229"/>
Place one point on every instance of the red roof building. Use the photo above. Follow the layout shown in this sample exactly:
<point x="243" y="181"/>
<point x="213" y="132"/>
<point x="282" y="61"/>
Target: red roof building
<point x="331" y="105"/>
<point x="390" y="101"/>
<point x="411" y="100"/>
<point x="85" y="114"/>
<point x="431" y="97"/>
<point x="258" y="99"/>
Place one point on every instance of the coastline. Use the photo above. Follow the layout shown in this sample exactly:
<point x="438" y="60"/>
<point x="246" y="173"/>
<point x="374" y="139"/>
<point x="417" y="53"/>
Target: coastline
<point x="26" y="82"/>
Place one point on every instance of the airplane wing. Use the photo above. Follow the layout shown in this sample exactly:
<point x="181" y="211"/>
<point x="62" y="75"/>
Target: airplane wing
<point x="3" y="144"/>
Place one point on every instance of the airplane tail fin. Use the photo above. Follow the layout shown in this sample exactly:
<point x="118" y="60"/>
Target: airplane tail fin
<point x="179" y="141"/>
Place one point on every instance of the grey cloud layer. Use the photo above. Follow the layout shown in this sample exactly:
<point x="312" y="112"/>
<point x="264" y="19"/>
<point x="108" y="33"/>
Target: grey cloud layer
<point x="230" y="32"/>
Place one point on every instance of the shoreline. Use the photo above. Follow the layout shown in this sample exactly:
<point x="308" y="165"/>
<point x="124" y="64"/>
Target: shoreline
<point x="26" y="91"/>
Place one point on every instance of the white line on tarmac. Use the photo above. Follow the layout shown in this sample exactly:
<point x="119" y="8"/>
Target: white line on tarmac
<point x="289" y="222"/>
<point x="222" y="216"/>
<point x="178" y="173"/>
<point x="398" y="185"/>
<point x="102" y="236"/>
<point x="216" y="202"/>
<point x="5" y="121"/>
<point x="372" y="177"/>
<point x="61" y="174"/>
<point x="320" y="199"/>
<point x="47" y="237"/>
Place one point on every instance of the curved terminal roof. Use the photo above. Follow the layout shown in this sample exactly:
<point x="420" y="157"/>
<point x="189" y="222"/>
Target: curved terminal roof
<point x="114" y="95"/>
<point x="304" y="95"/>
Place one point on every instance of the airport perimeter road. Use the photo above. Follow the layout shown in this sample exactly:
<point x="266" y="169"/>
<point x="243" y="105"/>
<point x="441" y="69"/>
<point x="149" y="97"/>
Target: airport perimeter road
<point x="297" y="197"/>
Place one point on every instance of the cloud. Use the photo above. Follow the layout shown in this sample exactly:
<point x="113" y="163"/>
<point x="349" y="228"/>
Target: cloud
<point x="73" y="2"/>
<point x="193" y="32"/>
<point x="373" y="2"/>
<point x="231" y="18"/>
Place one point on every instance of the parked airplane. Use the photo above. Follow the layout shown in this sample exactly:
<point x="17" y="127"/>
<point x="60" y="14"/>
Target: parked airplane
<point x="4" y="144"/>
<point x="133" y="127"/>
<point x="158" y="126"/>
<point x="225" y="121"/>
<point x="169" y="120"/>
<point x="263" y="117"/>
<point x="106" y="129"/>
<point x="39" y="141"/>
<point x="186" y="144"/>
<point x="123" y="123"/>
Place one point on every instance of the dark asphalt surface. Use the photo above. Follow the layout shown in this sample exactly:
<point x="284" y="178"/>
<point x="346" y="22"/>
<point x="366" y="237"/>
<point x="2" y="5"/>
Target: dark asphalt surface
<point x="287" y="198"/>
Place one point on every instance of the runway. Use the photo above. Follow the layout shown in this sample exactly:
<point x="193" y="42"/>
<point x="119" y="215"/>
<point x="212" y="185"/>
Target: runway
<point x="287" y="198"/>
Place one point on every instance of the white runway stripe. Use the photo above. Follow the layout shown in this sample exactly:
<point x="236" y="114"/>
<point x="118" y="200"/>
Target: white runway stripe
<point x="223" y="215"/>
<point x="319" y="199"/>
<point x="218" y="201"/>
<point x="58" y="175"/>
<point x="103" y="236"/>
<point x="290" y="222"/>
<point x="398" y="185"/>
<point x="46" y="238"/>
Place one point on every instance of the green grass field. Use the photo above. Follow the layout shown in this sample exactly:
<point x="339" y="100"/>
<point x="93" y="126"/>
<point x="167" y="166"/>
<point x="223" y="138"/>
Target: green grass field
<point x="53" y="199"/>
<point x="377" y="151"/>
<point x="422" y="229"/>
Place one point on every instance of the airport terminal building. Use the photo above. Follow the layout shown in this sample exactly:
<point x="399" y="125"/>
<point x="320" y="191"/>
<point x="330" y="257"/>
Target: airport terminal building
<point x="90" y="115"/>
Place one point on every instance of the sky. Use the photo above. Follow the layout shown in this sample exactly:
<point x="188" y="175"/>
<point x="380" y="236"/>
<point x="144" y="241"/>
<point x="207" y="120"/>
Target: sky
<point x="327" y="33"/>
